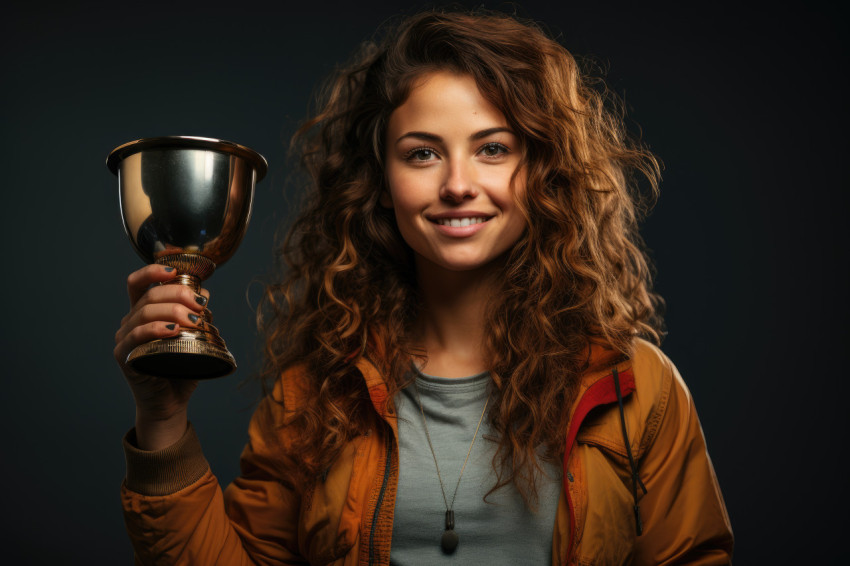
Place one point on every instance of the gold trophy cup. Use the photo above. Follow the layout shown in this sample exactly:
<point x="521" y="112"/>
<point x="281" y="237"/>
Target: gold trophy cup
<point x="185" y="202"/>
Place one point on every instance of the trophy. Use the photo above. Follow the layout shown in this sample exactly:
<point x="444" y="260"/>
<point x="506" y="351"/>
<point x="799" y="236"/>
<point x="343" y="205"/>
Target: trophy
<point x="185" y="202"/>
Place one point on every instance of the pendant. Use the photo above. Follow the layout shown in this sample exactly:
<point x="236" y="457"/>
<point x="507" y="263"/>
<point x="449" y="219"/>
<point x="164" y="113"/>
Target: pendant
<point x="450" y="539"/>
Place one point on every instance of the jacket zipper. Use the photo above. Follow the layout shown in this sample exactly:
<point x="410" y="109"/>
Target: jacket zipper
<point x="380" y="500"/>
<point x="595" y="398"/>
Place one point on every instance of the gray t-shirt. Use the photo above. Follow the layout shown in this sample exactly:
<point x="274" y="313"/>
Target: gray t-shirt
<point x="501" y="530"/>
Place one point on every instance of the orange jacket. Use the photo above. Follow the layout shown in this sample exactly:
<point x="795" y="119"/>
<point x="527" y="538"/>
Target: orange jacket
<point x="176" y="513"/>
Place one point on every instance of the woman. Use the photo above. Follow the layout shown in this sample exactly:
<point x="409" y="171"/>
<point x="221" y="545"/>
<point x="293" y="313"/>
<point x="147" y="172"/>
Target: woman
<point x="458" y="354"/>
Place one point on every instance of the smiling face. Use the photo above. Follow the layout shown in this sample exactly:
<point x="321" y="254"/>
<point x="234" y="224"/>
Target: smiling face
<point x="450" y="163"/>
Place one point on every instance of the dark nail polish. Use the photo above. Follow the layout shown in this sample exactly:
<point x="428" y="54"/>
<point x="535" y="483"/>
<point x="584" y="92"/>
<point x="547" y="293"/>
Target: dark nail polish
<point x="193" y="318"/>
<point x="170" y="326"/>
<point x="201" y="300"/>
<point x="169" y="269"/>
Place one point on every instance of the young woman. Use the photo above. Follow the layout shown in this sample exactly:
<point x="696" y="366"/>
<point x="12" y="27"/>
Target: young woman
<point x="462" y="354"/>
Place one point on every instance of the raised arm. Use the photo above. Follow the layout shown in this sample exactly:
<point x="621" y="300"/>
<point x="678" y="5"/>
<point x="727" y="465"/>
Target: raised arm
<point x="174" y="508"/>
<point x="157" y="311"/>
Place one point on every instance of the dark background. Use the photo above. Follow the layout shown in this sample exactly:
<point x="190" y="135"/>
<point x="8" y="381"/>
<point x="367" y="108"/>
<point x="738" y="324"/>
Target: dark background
<point x="744" y="104"/>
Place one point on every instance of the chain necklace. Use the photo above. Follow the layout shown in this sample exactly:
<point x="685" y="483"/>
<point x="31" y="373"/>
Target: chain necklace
<point x="450" y="539"/>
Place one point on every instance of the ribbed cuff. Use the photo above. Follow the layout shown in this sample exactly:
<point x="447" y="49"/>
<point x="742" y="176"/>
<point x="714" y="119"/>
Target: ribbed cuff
<point x="166" y="471"/>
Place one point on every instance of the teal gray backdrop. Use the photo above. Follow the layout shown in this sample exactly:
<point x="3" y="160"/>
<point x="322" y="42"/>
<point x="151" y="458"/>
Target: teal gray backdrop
<point x="745" y="104"/>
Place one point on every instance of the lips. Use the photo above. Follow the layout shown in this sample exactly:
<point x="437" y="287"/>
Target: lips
<point x="466" y="217"/>
<point x="459" y="222"/>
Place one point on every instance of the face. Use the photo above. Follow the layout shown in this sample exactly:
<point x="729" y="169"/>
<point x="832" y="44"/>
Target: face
<point x="450" y="162"/>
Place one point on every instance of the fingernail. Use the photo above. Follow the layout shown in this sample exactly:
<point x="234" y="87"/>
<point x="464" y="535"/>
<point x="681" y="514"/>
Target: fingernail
<point x="201" y="300"/>
<point x="169" y="269"/>
<point x="170" y="326"/>
<point x="193" y="318"/>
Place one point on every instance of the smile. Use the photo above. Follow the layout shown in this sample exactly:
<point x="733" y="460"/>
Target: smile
<point x="459" y="222"/>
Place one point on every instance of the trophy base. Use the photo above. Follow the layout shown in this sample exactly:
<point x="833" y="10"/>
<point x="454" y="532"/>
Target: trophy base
<point x="186" y="356"/>
<point x="194" y="353"/>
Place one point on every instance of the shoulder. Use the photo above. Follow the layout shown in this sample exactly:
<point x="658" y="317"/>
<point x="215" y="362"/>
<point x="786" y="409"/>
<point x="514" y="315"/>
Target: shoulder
<point x="291" y="389"/>
<point x="269" y="431"/>
<point x="659" y="391"/>
<point x="656" y="380"/>
<point x="296" y="388"/>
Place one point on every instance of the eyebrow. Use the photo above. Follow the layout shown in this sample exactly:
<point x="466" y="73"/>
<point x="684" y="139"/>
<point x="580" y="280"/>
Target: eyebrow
<point x="435" y="138"/>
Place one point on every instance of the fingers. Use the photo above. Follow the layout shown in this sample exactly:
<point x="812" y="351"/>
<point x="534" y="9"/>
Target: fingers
<point x="164" y="312"/>
<point x="139" y="281"/>
<point x="157" y="311"/>
<point x="180" y="294"/>
<point x="126" y="341"/>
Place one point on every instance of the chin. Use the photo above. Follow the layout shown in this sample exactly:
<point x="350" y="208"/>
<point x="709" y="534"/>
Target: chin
<point x="468" y="264"/>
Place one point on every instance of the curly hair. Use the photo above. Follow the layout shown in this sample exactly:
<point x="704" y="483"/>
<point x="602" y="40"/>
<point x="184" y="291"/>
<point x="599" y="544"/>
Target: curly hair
<point x="578" y="276"/>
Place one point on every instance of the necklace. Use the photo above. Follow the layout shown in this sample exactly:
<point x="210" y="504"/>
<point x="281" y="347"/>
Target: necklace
<point x="449" y="540"/>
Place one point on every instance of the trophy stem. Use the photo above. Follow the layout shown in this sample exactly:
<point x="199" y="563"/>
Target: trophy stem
<point x="194" y="353"/>
<point x="195" y="265"/>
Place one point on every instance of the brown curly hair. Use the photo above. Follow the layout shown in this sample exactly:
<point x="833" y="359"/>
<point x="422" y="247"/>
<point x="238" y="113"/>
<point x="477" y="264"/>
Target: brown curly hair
<point x="579" y="275"/>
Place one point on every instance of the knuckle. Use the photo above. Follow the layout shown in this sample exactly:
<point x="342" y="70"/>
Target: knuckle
<point x="177" y="311"/>
<point x="149" y="297"/>
<point x="135" y="278"/>
<point x="145" y="314"/>
<point x="136" y="335"/>
<point x="186" y="295"/>
<point x="141" y="302"/>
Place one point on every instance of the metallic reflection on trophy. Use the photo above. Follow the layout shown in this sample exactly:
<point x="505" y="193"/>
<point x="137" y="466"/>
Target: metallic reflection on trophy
<point x="185" y="202"/>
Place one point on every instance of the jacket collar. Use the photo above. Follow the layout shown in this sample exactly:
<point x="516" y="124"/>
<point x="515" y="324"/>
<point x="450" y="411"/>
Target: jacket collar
<point x="596" y="388"/>
<point x="376" y="386"/>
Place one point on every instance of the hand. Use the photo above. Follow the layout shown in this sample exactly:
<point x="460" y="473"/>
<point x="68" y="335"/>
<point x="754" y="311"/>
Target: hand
<point x="157" y="311"/>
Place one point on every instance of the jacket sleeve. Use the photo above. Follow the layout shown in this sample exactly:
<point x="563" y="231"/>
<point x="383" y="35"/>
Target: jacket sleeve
<point x="176" y="513"/>
<point x="684" y="516"/>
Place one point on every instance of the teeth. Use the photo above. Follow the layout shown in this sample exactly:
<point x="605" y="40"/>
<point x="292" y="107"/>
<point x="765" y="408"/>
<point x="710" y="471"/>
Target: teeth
<point x="458" y="222"/>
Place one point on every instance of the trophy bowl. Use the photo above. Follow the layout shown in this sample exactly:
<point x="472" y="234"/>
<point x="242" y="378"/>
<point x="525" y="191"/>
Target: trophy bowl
<point x="185" y="203"/>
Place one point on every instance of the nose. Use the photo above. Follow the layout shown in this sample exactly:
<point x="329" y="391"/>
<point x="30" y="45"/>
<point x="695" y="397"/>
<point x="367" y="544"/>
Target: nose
<point x="459" y="183"/>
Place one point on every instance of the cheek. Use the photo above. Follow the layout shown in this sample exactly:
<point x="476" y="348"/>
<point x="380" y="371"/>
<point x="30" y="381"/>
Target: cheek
<point x="502" y="185"/>
<point x="404" y="192"/>
<point x="510" y="197"/>
<point x="514" y="202"/>
<point x="399" y="196"/>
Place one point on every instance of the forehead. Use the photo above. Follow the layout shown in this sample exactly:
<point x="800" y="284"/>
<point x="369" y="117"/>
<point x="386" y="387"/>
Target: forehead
<point x="446" y="101"/>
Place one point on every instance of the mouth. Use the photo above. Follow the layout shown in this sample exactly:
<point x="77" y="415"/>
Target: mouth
<point x="460" y="222"/>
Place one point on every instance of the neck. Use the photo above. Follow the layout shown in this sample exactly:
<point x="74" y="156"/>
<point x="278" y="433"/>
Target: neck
<point x="450" y="327"/>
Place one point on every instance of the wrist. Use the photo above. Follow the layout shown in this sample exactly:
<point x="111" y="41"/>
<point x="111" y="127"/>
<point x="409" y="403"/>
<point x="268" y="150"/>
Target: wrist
<point x="155" y="432"/>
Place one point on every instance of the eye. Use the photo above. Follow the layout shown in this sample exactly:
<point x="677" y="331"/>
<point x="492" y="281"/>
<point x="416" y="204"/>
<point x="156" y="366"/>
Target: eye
<point x="420" y="154"/>
<point x="493" y="149"/>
